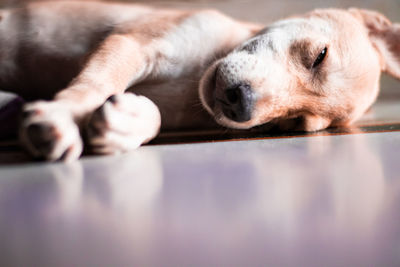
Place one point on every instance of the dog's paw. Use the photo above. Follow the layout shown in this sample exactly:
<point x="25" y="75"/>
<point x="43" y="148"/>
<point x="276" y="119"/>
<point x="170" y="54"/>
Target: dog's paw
<point x="123" y="123"/>
<point x="306" y="123"/>
<point x="314" y="123"/>
<point x="48" y="131"/>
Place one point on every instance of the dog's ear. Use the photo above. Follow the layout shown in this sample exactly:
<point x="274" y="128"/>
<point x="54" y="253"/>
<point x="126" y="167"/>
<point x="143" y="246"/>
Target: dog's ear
<point x="385" y="37"/>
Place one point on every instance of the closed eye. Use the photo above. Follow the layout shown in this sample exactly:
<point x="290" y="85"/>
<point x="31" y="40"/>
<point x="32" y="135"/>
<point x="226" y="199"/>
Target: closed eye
<point x="320" y="58"/>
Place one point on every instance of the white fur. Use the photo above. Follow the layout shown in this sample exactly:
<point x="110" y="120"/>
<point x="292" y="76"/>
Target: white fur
<point x="124" y="125"/>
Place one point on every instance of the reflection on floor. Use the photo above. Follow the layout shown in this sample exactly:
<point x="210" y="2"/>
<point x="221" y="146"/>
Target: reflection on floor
<point x="319" y="201"/>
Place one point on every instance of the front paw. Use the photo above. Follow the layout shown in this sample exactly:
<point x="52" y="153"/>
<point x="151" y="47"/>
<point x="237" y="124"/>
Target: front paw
<point x="306" y="123"/>
<point x="123" y="123"/>
<point x="48" y="131"/>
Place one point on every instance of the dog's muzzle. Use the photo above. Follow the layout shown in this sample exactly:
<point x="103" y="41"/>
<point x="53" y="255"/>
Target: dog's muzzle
<point x="236" y="99"/>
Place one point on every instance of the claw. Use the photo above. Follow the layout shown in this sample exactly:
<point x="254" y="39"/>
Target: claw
<point x="49" y="132"/>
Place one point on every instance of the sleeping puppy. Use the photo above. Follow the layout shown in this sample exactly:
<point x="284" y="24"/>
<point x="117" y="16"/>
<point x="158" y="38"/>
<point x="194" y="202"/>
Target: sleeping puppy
<point x="119" y="73"/>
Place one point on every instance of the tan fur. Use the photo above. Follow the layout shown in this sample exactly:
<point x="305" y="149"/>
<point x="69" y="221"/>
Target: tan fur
<point x="340" y="91"/>
<point x="78" y="54"/>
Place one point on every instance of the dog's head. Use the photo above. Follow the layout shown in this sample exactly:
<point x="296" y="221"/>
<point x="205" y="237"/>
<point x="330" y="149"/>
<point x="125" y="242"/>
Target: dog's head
<point x="323" y="67"/>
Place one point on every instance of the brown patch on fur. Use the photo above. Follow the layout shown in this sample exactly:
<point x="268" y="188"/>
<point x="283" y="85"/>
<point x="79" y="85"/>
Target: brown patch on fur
<point x="301" y="52"/>
<point x="279" y="110"/>
<point x="320" y="76"/>
<point x="385" y="36"/>
<point x="303" y="86"/>
<point x="391" y="37"/>
<point x="312" y="105"/>
<point x="155" y="27"/>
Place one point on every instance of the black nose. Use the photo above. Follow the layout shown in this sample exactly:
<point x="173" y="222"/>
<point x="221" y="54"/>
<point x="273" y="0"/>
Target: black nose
<point x="238" y="103"/>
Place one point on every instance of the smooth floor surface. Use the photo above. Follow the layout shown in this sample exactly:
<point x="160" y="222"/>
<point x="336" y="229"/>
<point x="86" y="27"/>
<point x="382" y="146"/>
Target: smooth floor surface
<point x="312" y="201"/>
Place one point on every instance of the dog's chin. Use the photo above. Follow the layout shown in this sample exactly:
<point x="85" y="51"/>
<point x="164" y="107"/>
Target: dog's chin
<point x="224" y="121"/>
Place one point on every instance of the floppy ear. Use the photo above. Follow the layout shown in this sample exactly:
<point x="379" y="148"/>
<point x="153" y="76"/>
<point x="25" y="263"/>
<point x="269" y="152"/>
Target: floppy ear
<point x="385" y="37"/>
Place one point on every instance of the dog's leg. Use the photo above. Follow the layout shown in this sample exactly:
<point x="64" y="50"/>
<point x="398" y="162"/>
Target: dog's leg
<point x="123" y="123"/>
<point x="129" y="55"/>
<point x="305" y="123"/>
<point x="50" y="128"/>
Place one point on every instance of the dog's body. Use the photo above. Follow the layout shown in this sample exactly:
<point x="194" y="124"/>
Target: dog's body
<point x="48" y="44"/>
<point x="77" y="55"/>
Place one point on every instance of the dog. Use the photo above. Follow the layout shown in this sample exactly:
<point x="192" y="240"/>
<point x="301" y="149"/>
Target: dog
<point x="116" y="74"/>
